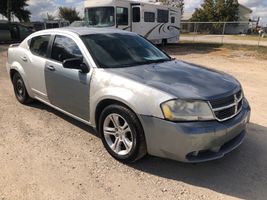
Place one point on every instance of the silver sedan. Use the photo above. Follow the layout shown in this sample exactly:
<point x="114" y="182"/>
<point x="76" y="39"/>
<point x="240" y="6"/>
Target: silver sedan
<point x="139" y="99"/>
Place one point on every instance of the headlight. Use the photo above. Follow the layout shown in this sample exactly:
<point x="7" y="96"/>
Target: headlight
<point x="182" y="110"/>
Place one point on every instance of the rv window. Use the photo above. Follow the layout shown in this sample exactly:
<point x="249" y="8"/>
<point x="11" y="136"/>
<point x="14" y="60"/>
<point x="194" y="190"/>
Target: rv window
<point x="136" y="14"/>
<point x="122" y="16"/>
<point x="163" y="16"/>
<point x="101" y="16"/>
<point x="172" y="20"/>
<point x="149" y="17"/>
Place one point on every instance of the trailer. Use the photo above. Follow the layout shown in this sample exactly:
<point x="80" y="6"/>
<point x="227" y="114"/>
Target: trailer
<point x="158" y="23"/>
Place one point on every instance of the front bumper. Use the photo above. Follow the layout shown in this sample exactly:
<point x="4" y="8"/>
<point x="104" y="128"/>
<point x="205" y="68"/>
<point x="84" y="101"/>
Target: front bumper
<point x="195" y="141"/>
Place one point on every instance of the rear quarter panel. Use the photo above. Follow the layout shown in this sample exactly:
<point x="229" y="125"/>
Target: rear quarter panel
<point x="14" y="62"/>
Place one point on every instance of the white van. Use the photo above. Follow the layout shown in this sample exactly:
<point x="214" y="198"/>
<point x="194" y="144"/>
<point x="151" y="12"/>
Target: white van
<point x="158" y="23"/>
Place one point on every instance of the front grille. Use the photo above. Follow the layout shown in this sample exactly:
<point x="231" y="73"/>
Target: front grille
<point x="222" y="102"/>
<point x="222" y="114"/>
<point x="227" y="107"/>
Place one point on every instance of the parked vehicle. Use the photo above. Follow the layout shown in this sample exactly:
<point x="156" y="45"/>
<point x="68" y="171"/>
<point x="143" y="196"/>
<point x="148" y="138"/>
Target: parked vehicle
<point x="38" y="26"/>
<point x="263" y="32"/>
<point x="137" y="97"/>
<point x="80" y="24"/>
<point x="49" y="24"/>
<point x="158" y="23"/>
<point x="13" y="32"/>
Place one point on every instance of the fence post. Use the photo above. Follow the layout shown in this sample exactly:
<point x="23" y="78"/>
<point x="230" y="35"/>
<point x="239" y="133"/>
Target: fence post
<point x="195" y="31"/>
<point x="223" y="31"/>
<point x="259" y="40"/>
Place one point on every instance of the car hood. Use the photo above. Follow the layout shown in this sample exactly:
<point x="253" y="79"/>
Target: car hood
<point x="182" y="80"/>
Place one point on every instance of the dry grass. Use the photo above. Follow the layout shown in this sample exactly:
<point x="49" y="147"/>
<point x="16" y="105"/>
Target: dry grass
<point x="228" y="50"/>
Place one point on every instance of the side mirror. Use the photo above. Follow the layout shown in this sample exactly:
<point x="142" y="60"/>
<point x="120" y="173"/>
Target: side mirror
<point x="75" y="63"/>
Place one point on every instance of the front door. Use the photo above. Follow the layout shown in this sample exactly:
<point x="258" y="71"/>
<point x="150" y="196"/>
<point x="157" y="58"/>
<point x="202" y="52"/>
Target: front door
<point x="67" y="89"/>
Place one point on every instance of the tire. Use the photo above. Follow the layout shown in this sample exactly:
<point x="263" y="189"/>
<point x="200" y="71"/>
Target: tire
<point x="20" y="90"/>
<point x="122" y="134"/>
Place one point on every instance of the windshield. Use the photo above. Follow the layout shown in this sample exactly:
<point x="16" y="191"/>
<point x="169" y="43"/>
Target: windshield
<point x="116" y="50"/>
<point x="101" y="16"/>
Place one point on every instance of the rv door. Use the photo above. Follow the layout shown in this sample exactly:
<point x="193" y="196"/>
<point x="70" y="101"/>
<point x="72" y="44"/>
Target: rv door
<point x="136" y="19"/>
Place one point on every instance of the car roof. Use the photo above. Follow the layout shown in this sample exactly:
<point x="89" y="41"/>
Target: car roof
<point x="85" y="30"/>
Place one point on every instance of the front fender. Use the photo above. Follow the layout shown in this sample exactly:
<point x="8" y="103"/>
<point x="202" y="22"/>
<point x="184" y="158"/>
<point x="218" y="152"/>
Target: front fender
<point x="122" y="95"/>
<point x="142" y="99"/>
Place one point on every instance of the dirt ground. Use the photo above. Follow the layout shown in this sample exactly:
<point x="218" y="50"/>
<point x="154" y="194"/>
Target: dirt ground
<point x="46" y="155"/>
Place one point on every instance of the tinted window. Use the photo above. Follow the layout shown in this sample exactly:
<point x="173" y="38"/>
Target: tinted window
<point x="52" y="25"/>
<point x="172" y="20"/>
<point x="39" y="45"/>
<point x="149" y="17"/>
<point x="64" y="48"/>
<point x="4" y="27"/>
<point x="163" y="16"/>
<point x="122" y="16"/>
<point x="100" y="17"/>
<point x="136" y="15"/>
<point x="122" y="50"/>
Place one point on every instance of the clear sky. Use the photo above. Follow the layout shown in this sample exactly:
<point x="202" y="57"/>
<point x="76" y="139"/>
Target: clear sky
<point x="39" y="8"/>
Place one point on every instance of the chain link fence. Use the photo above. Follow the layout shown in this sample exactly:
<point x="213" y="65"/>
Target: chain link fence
<point x="243" y="33"/>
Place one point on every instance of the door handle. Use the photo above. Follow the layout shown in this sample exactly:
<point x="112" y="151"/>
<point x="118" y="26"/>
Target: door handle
<point x="51" y="68"/>
<point x="24" y="58"/>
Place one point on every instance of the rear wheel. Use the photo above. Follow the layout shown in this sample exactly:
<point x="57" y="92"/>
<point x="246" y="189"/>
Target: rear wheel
<point x="122" y="134"/>
<point x="20" y="89"/>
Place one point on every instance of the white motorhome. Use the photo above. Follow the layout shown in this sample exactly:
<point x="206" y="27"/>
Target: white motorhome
<point x="158" y="23"/>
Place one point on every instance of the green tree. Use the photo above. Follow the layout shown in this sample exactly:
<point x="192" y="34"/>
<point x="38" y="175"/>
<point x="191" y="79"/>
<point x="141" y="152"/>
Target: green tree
<point x="15" y="7"/>
<point x="205" y="13"/>
<point x="69" y="14"/>
<point x="175" y="3"/>
<point x="217" y="10"/>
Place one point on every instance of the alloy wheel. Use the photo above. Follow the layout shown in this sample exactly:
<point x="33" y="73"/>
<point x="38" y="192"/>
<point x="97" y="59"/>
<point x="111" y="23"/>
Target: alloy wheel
<point x="118" y="134"/>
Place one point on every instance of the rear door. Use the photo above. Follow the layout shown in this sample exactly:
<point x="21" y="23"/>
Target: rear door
<point x="34" y="61"/>
<point x="68" y="89"/>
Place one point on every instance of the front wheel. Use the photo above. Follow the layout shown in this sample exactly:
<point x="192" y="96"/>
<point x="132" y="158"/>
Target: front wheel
<point x="122" y="134"/>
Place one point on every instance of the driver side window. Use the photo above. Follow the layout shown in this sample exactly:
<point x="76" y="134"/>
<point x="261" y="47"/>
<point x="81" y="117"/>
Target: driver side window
<point x="65" y="48"/>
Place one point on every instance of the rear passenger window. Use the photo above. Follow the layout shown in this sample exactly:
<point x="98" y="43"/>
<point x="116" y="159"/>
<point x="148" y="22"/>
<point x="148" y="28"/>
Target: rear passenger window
<point x="163" y="16"/>
<point x="149" y="17"/>
<point x="39" y="45"/>
<point x="65" y="48"/>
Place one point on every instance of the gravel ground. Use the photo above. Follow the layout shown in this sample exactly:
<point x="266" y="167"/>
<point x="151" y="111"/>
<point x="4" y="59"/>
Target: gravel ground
<point x="47" y="155"/>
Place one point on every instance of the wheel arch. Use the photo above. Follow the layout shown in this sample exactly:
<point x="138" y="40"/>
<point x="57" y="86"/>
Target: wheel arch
<point x="107" y="102"/>
<point x="17" y="68"/>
